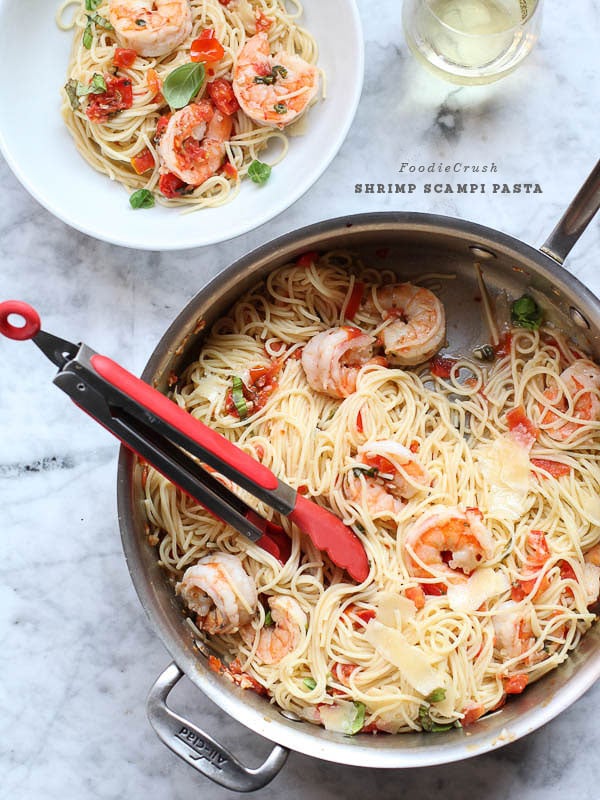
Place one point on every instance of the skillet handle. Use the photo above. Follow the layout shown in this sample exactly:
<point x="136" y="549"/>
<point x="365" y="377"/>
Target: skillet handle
<point x="198" y="749"/>
<point x="575" y="219"/>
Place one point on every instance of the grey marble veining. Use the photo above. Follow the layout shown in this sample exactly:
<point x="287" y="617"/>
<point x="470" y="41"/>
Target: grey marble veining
<point x="77" y="656"/>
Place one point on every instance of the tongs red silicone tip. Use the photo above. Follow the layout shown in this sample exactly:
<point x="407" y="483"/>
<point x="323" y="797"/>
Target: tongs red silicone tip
<point x="166" y="435"/>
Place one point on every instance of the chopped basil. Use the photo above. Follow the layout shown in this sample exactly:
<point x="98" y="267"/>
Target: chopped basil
<point x="237" y="394"/>
<point x="368" y="472"/>
<point x="88" y="36"/>
<point x="71" y="90"/>
<point x="485" y="352"/>
<point x="525" y="313"/>
<point x="259" y="172"/>
<point x="266" y="79"/>
<point x="279" y="70"/>
<point x="183" y="84"/>
<point x="141" y="23"/>
<point x="142" y="198"/>
<point x="436" y="696"/>
<point x="101" y="22"/>
<point x="310" y="683"/>
<point x="268" y="619"/>
<point x="358" y="721"/>
<point x="428" y="724"/>
<point x="280" y="108"/>
<point x="92" y="5"/>
<point x="96" y="86"/>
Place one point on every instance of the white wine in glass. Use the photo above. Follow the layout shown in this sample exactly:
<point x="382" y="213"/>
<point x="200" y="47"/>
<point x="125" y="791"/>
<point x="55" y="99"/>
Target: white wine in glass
<point x="471" y="41"/>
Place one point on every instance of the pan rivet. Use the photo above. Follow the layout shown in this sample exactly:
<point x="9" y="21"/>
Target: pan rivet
<point x="578" y="318"/>
<point x="481" y="252"/>
<point x="81" y="387"/>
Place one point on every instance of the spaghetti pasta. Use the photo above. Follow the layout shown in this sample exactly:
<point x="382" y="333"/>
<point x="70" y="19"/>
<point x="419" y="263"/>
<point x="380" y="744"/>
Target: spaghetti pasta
<point x="482" y="575"/>
<point x="121" y="139"/>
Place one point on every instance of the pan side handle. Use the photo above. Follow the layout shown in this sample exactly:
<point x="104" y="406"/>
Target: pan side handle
<point x="575" y="219"/>
<point x="200" y="750"/>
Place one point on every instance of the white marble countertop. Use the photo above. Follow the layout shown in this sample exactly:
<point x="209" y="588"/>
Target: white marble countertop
<point x="77" y="655"/>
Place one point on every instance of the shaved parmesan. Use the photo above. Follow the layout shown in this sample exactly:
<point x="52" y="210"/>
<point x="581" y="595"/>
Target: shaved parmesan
<point x="482" y="585"/>
<point x="343" y="717"/>
<point x="393" y="609"/>
<point x="591" y="582"/>
<point x="411" y="661"/>
<point x="505" y="467"/>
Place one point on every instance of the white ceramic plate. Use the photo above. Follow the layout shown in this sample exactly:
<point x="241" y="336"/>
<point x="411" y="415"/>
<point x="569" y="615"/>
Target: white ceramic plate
<point x="41" y="153"/>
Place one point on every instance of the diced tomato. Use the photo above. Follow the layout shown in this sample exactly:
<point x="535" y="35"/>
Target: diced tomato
<point x="143" y="162"/>
<point x="364" y="614"/>
<point x="263" y="23"/>
<point x="472" y="714"/>
<point x="517" y="593"/>
<point x="161" y="127"/>
<point x="370" y="728"/>
<point x="154" y="82"/>
<point x="441" y="367"/>
<point x="145" y="471"/>
<point x="230" y="170"/>
<point x="243" y="679"/>
<point x="354" y="301"/>
<point x="417" y="595"/>
<point x="521" y="428"/>
<point x="171" y="186"/>
<point x="359" y="422"/>
<point x="124" y="57"/>
<point x="215" y="664"/>
<point x="117" y="97"/>
<point x="414" y="446"/>
<point x="221" y="93"/>
<point x="380" y="463"/>
<point x="307" y="259"/>
<point x="434" y="589"/>
<point x="515" y="684"/>
<point x="567" y="573"/>
<point x="342" y="672"/>
<point x="504" y="345"/>
<point x="556" y="468"/>
<point x="206" y="48"/>
<point x="224" y="2"/>
<point x="262" y="381"/>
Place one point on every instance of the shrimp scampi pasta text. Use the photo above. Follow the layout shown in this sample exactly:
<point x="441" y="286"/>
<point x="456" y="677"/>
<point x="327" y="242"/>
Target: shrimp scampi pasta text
<point x="474" y="486"/>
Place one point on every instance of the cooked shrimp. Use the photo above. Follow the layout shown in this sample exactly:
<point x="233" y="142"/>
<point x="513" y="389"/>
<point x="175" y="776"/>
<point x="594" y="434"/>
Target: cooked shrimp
<point x="277" y="640"/>
<point x="582" y="382"/>
<point x="395" y="474"/>
<point x="220" y="591"/>
<point x="332" y="360"/>
<point x="419" y="329"/>
<point x="273" y="90"/>
<point x="512" y="629"/>
<point x="151" y="27"/>
<point x="447" y="542"/>
<point x="193" y="144"/>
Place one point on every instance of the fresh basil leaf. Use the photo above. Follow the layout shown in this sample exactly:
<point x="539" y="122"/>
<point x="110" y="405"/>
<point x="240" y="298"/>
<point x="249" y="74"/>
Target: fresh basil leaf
<point x="268" y="619"/>
<point x="71" y="90"/>
<point x="88" y="36"/>
<point x="96" y="86"/>
<point x="358" y="720"/>
<point x="279" y="70"/>
<point x="142" y="198"/>
<point x="92" y="5"/>
<point x="310" y="683"/>
<point x="259" y="172"/>
<point x="280" y="108"/>
<point x="428" y="724"/>
<point x="268" y="80"/>
<point x="368" y="472"/>
<point x="237" y="394"/>
<point x="101" y="22"/>
<point x="484" y="353"/>
<point x="183" y="84"/>
<point x="436" y="696"/>
<point x="525" y="313"/>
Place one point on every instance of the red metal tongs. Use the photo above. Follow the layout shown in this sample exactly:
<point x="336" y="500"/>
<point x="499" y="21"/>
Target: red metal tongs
<point x="165" y="435"/>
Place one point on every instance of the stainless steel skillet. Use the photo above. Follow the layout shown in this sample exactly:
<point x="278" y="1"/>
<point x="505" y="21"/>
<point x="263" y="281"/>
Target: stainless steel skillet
<point x="411" y="244"/>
